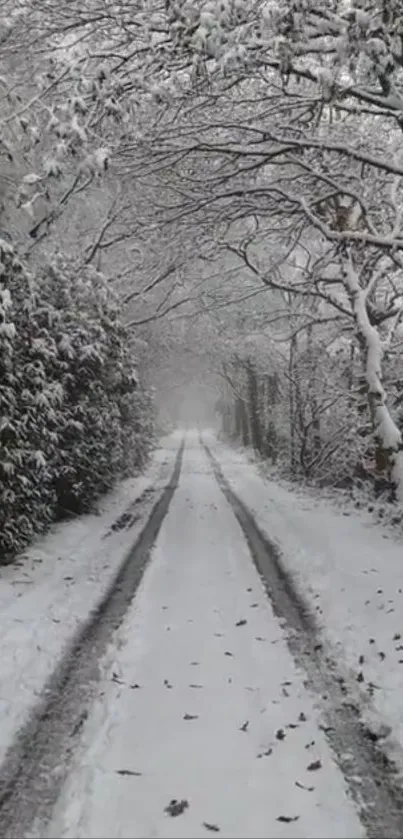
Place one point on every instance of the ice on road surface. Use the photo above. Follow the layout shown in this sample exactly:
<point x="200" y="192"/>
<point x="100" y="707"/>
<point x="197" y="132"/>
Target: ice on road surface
<point x="200" y="701"/>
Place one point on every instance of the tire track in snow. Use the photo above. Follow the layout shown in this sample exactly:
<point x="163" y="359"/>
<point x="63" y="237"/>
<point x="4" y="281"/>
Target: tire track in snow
<point x="36" y="765"/>
<point x="370" y="775"/>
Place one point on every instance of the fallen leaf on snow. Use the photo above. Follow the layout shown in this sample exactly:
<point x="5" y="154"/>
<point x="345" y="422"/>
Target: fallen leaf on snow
<point x="267" y="753"/>
<point x="302" y="786"/>
<point x="287" y="819"/>
<point x="176" y="808"/>
<point x="316" y="764"/>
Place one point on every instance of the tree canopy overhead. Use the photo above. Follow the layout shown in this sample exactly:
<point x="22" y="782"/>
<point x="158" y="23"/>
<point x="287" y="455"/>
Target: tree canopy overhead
<point x="230" y="174"/>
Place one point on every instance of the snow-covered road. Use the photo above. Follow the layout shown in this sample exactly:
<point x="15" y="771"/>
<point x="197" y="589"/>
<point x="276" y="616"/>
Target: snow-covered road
<point x="201" y="701"/>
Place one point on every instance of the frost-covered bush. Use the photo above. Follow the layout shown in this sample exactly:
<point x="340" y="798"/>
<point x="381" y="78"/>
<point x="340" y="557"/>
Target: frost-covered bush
<point x="73" y="416"/>
<point x="26" y="398"/>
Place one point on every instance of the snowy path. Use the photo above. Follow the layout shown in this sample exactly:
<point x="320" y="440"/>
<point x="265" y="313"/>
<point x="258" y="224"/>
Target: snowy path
<point x="46" y="596"/>
<point x="197" y="708"/>
<point x="349" y="572"/>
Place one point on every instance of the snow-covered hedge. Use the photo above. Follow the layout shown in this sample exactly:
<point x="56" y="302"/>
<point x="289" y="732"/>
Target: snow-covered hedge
<point x="73" y="416"/>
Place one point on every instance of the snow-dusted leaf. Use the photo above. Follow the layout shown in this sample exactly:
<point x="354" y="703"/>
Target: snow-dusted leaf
<point x="39" y="459"/>
<point x="31" y="178"/>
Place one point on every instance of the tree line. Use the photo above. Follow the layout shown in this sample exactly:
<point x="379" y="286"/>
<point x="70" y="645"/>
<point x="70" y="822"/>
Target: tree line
<point x="215" y="178"/>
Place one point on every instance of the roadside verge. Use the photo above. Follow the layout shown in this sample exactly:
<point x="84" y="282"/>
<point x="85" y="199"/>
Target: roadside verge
<point x="46" y="596"/>
<point x="349" y="573"/>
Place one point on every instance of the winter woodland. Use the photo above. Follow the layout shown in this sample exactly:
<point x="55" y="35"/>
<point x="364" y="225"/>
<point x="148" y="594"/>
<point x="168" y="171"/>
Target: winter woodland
<point x="201" y="197"/>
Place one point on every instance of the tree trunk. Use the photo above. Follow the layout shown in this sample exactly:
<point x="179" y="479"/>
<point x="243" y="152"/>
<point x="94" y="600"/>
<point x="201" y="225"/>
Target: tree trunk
<point x="388" y="439"/>
<point x="244" y="424"/>
<point x="291" y="365"/>
<point x="316" y="437"/>
<point x="271" y="442"/>
<point x="237" y="418"/>
<point x="254" y="409"/>
<point x="350" y="376"/>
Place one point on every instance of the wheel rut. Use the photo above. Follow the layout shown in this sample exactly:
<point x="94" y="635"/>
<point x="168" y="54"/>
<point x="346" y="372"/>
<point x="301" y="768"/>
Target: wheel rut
<point x="33" y="771"/>
<point x="371" y="777"/>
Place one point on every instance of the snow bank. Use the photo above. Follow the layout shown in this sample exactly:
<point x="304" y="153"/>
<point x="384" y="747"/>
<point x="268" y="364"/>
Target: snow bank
<point x="50" y="590"/>
<point x="350" y="571"/>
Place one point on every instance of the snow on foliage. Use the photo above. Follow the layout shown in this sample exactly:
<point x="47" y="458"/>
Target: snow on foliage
<point x="268" y="128"/>
<point x="74" y="417"/>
